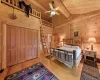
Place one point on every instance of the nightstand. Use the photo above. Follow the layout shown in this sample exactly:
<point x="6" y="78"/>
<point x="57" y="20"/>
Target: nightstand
<point x="90" y="55"/>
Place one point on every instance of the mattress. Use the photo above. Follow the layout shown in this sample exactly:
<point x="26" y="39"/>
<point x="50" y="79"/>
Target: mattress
<point x="78" y="50"/>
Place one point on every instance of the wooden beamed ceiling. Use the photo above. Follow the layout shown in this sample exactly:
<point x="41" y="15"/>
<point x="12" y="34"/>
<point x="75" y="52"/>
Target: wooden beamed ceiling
<point x="68" y="7"/>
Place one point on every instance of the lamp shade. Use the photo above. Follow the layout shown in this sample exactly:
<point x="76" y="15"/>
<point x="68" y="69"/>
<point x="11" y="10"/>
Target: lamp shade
<point x="92" y="40"/>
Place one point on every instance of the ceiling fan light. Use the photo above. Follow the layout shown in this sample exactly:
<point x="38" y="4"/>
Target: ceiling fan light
<point x="53" y="13"/>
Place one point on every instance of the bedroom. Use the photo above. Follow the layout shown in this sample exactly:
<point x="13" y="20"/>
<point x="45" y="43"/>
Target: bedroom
<point x="57" y="37"/>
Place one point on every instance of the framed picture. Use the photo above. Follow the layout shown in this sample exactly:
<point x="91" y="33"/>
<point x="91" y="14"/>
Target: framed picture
<point x="76" y="34"/>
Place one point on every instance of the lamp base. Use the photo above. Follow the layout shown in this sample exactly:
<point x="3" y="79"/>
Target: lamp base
<point x="91" y="46"/>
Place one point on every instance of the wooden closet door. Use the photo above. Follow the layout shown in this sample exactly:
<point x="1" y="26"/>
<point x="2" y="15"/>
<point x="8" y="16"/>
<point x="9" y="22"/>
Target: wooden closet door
<point x="29" y="47"/>
<point x="30" y="43"/>
<point x="11" y="46"/>
<point x="22" y="44"/>
<point x="0" y="46"/>
<point x="18" y="45"/>
<point x="27" y="44"/>
<point x="34" y="44"/>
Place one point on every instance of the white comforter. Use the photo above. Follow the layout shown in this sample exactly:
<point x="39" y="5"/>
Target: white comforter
<point x="78" y="50"/>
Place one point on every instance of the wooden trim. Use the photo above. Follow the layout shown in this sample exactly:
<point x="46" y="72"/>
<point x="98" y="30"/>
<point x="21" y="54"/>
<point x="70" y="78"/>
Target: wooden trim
<point x="4" y="46"/>
<point x="21" y="27"/>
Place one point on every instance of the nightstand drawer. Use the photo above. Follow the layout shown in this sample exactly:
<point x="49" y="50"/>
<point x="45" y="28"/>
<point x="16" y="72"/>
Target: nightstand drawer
<point x="91" y="54"/>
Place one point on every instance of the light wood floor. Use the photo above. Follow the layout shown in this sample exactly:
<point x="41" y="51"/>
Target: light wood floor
<point x="58" y="69"/>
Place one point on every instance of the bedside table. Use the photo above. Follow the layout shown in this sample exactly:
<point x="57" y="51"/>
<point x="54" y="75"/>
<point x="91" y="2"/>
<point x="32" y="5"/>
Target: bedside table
<point x="90" y="54"/>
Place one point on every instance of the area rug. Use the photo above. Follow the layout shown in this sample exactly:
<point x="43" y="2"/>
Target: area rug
<point x="90" y="71"/>
<point x="36" y="72"/>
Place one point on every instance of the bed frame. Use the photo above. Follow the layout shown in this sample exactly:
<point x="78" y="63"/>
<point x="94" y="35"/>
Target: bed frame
<point x="67" y="57"/>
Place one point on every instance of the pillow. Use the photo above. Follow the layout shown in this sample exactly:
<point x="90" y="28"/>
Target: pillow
<point x="69" y="46"/>
<point x="75" y="47"/>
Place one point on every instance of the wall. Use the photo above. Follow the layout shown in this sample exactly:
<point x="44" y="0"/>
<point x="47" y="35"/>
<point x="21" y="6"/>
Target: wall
<point x="89" y="27"/>
<point x="61" y="32"/>
<point x="21" y="21"/>
<point x="58" y="19"/>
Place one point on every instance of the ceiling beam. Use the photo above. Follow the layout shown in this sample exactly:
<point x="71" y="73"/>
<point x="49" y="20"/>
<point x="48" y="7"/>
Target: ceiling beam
<point x="62" y="8"/>
<point x="79" y="17"/>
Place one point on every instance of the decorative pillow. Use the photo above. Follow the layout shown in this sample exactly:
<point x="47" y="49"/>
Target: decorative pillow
<point x="75" y="47"/>
<point x="69" y="46"/>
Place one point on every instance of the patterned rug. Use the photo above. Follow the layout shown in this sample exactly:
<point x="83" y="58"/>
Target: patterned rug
<point x="35" y="72"/>
<point x="90" y="71"/>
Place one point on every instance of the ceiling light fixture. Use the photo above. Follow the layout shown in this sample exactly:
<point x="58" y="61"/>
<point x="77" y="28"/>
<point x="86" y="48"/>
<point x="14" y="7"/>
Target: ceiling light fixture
<point x="53" y="13"/>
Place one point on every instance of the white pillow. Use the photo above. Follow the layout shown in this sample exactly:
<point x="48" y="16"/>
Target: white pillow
<point x="69" y="46"/>
<point x="75" y="47"/>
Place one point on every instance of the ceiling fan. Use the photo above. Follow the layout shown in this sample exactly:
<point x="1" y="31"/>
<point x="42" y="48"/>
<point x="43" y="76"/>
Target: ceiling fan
<point x="53" y="10"/>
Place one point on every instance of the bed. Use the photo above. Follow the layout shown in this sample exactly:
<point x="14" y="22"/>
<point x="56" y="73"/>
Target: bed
<point x="69" y="54"/>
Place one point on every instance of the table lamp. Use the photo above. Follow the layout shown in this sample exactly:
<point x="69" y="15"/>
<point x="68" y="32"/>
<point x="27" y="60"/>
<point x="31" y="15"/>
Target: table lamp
<point x="92" y="40"/>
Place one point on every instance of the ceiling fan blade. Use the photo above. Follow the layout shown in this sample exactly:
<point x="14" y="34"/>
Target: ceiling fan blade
<point x="57" y="8"/>
<point x="57" y="13"/>
<point x="51" y="6"/>
<point x="47" y="11"/>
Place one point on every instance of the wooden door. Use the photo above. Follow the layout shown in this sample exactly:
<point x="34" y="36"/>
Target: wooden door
<point x="27" y="44"/>
<point x="22" y="44"/>
<point x="30" y="43"/>
<point x="29" y="54"/>
<point x="18" y="44"/>
<point x="0" y="46"/>
<point x="34" y="44"/>
<point x="11" y="46"/>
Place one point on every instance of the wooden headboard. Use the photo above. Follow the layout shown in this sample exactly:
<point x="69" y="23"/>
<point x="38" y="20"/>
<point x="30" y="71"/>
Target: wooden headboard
<point x="73" y="41"/>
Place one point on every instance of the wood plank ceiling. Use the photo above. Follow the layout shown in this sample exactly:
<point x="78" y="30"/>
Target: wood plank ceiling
<point x="68" y="7"/>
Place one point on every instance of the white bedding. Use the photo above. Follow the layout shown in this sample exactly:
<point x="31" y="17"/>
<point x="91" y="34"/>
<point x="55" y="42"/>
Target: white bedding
<point x="78" y="50"/>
